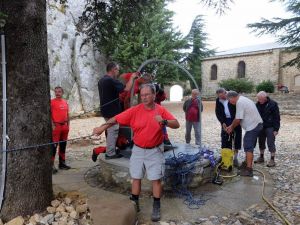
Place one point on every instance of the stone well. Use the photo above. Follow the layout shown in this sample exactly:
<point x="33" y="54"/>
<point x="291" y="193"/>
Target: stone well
<point x="115" y="172"/>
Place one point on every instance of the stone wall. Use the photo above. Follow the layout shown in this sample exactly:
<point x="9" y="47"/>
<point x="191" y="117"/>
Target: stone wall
<point x="290" y="75"/>
<point x="263" y="65"/>
<point x="259" y="67"/>
<point x="73" y="66"/>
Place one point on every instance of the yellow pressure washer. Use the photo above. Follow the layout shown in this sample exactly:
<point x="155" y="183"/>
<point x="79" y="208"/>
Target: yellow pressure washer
<point x="226" y="163"/>
<point x="227" y="159"/>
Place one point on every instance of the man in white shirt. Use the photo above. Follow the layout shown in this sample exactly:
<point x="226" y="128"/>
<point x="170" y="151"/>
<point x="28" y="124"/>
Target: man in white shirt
<point x="249" y="118"/>
<point x="225" y="113"/>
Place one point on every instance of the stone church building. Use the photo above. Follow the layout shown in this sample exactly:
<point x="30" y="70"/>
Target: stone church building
<point x="257" y="63"/>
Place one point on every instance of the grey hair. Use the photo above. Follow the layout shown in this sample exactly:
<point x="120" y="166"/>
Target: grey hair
<point x="262" y="94"/>
<point x="220" y="91"/>
<point x="232" y="94"/>
<point x="196" y="91"/>
<point x="150" y="85"/>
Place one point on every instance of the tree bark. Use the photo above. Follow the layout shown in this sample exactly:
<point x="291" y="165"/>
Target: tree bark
<point x="28" y="187"/>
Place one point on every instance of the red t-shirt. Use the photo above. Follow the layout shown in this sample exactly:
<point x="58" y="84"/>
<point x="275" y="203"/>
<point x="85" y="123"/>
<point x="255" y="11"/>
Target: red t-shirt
<point x="59" y="110"/>
<point x="147" y="132"/>
<point x="193" y="112"/>
<point x="126" y="77"/>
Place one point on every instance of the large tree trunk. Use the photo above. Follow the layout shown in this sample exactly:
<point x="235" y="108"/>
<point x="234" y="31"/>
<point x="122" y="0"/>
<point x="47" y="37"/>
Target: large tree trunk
<point x="29" y="179"/>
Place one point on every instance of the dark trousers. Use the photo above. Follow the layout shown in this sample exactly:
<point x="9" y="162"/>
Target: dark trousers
<point x="236" y="137"/>
<point x="267" y="133"/>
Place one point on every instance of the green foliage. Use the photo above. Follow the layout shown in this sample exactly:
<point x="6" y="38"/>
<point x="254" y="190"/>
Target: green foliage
<point x="239" y="85"/>
<point x="187" y="92"/>
<point x="287" y="30"/>
<point x="56" y="60"/>
<point x="130" y="32"/>
<point x="266" y="86"/>
<point x="3" y="18"/>
<point x="197" y="41"/>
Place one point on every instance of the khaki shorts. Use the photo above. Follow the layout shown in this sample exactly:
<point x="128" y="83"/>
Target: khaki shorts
<point x="151" y="161"/>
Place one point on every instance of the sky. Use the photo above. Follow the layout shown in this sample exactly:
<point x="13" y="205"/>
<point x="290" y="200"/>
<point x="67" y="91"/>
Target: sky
<point x="228" y="31"/>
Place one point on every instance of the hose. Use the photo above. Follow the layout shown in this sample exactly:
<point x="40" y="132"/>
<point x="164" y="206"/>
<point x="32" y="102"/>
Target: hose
<point x="283" y="218"/>
<point x="268" y="202"/>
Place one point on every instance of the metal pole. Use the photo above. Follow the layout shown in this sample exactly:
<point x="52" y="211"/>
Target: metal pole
<point x="4" y="134"/>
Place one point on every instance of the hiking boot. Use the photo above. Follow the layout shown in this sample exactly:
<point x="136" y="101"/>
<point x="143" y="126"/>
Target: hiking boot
<point x="271" y="163"/>
<point x="136" y="204"/>
<point x="63" y="166"/>
<point x="116" y="156"/>
<point x="167" y="142"/>
<point x="246" y="172"/>
<point x="94" y="156"/>
<point x="54" y="170"/>
<point x="259" y="160"/>
<point x="155" y="212"/>
<point x="236" y="163"/>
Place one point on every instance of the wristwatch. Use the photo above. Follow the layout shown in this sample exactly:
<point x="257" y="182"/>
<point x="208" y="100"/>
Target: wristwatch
<point x="164" y="122"/>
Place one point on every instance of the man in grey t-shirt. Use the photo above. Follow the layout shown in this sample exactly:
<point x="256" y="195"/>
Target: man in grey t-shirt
<point x="248" y="117"/>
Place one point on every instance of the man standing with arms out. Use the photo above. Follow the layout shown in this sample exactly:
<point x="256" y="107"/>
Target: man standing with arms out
<point x="225" y="113"/>
<point x="146" y="120"/>
<point x="191" y="109"/>
<point x="248" y="116"/>
<point x="109" y="89"/>
<point x="60" y="128"/>
<point x="269" y="112"/>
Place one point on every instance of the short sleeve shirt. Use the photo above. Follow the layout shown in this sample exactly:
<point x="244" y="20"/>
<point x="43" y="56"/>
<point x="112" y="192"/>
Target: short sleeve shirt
<point x="59" y="110"/>
<point x="247" y="112"/>
<point x="147" y="132"/>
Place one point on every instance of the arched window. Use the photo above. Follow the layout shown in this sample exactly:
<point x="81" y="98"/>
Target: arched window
<point x="214" y="72"/>
<point x="241" y="69"/>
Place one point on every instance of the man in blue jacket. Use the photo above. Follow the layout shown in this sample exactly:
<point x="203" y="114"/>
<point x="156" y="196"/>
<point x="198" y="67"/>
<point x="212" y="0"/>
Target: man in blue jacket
<point x="269" y="112"/>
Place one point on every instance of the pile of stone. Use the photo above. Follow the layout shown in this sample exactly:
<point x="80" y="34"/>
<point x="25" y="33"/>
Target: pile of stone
<point x="63" y="211"/>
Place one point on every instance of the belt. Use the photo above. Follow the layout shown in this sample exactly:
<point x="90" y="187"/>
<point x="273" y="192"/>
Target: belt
<point x="63" y="123"/>
<point x="148" y="147"/>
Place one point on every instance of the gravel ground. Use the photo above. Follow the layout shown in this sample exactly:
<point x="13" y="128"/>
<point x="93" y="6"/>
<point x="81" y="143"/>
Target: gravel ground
<point x="285" y="174"/>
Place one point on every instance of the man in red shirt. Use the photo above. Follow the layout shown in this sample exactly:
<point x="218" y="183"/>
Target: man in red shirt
<point x="146" y="121"/>
<point x="60" y="127"/>
<point x="191" y="109"/>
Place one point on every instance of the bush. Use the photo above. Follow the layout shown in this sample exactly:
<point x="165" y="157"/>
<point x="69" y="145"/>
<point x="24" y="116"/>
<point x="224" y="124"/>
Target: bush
<point x="187" y="92"/>
<point x="241" y="85"/>
<point x="266" y="86"/>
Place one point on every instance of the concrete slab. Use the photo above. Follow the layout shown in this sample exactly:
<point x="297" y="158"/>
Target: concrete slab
<point x="111" y="211"/>
<point x="107" y="208"/>
<point x="234" y="195"/>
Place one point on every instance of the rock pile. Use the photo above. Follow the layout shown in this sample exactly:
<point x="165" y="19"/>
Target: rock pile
<point x="62" y="211"/>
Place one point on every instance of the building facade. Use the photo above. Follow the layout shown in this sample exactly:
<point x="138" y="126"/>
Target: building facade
<point x="256" y="63"/>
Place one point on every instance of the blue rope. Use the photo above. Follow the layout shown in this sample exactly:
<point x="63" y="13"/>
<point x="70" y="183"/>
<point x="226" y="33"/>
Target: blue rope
<point x="182" y="168"/>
